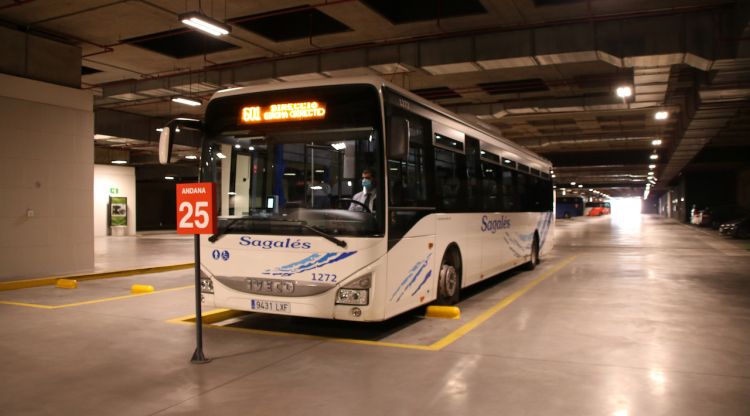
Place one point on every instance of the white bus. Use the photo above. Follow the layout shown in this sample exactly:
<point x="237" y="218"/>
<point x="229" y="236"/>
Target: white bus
<point x="448" y="205"/>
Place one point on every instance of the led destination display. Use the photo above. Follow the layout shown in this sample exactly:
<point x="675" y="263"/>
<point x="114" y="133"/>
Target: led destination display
<point x="308" y="110"/>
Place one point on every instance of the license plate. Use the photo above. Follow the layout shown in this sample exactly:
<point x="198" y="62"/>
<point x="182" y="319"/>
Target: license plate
<point x="270" y="306"/>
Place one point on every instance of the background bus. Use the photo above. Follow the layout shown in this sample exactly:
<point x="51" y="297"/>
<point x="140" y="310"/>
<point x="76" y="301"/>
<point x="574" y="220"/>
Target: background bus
<point x="568" y="207"/>
<point x="448" y="203"/>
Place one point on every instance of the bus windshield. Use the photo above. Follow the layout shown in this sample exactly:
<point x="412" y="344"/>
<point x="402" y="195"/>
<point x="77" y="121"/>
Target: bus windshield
<point x="297" y="177"/>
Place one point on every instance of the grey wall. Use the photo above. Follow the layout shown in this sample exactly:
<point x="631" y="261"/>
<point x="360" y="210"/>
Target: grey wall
<point x="46" y="168"/>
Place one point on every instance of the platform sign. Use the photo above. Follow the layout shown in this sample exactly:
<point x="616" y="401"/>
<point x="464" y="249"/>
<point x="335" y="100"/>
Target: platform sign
<point x="196" y="208"/>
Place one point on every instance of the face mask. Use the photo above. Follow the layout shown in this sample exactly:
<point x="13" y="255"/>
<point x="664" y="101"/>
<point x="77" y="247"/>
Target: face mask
<point x="366" y="183"/>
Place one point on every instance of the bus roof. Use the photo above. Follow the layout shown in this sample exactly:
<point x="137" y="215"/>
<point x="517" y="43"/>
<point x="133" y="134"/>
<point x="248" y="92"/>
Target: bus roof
<point x="488" y="131"/>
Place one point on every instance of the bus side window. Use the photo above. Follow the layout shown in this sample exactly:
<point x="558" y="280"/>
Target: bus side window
<point x="491" y="186"/>
<point x="450" y="180"/>
<point x="474" y="172"/>
<point x="510" y="200"/>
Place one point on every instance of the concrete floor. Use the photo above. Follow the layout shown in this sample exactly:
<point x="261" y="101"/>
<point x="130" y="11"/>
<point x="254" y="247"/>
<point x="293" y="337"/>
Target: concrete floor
<point x="647" y="317"/>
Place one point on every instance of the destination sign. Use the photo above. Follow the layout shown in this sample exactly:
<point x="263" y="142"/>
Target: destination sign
<point x="308" y="110"/>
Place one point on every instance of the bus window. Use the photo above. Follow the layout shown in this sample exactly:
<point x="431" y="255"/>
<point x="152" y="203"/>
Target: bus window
<point x="450" y="180"/>
<point x="474" y="173"/>
<point x="491" y="196"/>
<point x="510" y="197"/>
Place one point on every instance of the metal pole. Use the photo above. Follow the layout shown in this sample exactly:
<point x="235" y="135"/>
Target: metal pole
<point x="198" y="357"/>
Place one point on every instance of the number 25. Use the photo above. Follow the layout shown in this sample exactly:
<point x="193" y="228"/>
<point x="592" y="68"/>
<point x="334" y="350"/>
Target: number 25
<point x="201" y="215"/>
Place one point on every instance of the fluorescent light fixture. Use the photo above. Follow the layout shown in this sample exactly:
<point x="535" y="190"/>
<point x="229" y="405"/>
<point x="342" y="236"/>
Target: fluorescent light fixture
<point x="231" y="193"/>
<point x="251" y="148"/>
<point x="159" y="129"/>
<point x="191" y="157"/>
<point x="237" y="146"/>
<point x="290" y="174"/>
<point x="186" y="101"/>
<point x="169" y="178"/>
<point x="319" y="171"/>
<point x="339" y="146"/>
<point x="656" y="142"/>
<point x="119" y="162"/>
<point x="552" y="171"/>
<point x="481" y="152"/>
<point x="654" y="156"/>
<point x="661" y="115"/>
<point x="651" y="166"/>
<point x="554" y="186"/>
<point x="624" y="92"/>
<point x="221" y="155"/>
<point x="580" y="186"/>
<point x="205" y="23"/>
<point x="554" y="176"/>
<point x="316" y="187"/>
<point x="572" y="184"/>
<point x="348" y="183"/>
<point x="651" y="174"/>
<point x="591" y="190"/>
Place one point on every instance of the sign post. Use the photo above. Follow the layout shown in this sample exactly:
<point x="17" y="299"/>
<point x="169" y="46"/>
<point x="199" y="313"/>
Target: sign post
<point x="196" y="214"/>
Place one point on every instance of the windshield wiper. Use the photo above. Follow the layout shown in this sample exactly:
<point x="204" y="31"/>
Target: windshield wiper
<point x="225" y="229"/>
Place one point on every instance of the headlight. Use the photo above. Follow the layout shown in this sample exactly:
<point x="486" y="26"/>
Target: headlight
<point x="356" y="292"/>
<point x="207" y="283"/>
<point x="352" y="296"/>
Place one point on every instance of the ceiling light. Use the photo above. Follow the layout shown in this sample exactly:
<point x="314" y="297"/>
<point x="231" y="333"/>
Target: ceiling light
<point x="191" y="157"/>
<point x="251" y="148"/>
<point x="339" y="146"/>
<point x="554" y="176"/>
<point x="186" y="101"/>
<point x="119" y="162"/>
<point x="205" y="23"/>
<point x="661" y="115"/>
<point x="624" y="92"/>
<point x="654" y="156"/>
<point x="656" y="142"/>
<point x="651" y="166"/>
<point x="651" y="174"/>
<point x="169" y="178"/>
<point x="572" y="184"/>
<point x="591" y="190"/>
<point x="159" y="129"/>
<point x="580" y="186"/>
<point x="221" y="155"/>
<point x="237" y="146"/>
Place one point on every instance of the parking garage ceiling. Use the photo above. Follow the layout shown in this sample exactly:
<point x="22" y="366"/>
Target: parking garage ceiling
<point x="544" y="72"/>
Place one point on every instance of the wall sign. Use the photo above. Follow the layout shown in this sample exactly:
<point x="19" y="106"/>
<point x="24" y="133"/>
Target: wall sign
<point x="118" y="210"/>
<point x="196" y="208"/>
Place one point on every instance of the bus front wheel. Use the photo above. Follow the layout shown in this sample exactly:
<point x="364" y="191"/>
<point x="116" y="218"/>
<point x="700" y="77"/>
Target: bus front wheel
<point x="534" y="256"/>
<point x="449" y="279"/>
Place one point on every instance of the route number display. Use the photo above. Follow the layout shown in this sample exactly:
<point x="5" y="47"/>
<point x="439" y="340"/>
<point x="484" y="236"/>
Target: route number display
<point x="196" y="208"/>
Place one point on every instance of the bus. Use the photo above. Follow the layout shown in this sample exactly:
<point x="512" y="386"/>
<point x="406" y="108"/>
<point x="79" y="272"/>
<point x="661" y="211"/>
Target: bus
<point x="568" y="207"/>
<point x="354" y="199"/>
<point x="596" y="209"/>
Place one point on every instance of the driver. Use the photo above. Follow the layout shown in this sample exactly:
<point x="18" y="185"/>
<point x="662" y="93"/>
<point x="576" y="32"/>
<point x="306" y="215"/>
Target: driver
<point x="368" y="194"/>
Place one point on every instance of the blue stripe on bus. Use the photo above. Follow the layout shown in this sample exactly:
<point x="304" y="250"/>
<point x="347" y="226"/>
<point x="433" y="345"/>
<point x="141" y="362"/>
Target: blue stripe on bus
<point x="426" y="278"/>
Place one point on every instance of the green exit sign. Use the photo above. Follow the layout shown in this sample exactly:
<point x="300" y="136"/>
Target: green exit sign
<point x="114" y="191"/>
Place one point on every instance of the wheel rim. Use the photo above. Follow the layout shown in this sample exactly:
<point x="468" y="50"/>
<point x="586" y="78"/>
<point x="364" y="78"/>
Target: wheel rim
<point x="448" y="280"/>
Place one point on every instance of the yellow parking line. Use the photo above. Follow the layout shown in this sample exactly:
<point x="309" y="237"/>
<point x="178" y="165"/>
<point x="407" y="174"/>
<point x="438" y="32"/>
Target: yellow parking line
<point x="210" y="318"/>
<point x="89" y="302"/>
<point x="467" y="327"/>
<point x="50" y="281"/>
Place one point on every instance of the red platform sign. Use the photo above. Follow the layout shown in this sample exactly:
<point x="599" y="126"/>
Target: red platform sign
<point x="196" y="208"/>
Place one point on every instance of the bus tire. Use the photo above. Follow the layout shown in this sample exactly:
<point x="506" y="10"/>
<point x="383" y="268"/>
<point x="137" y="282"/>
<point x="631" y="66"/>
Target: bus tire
<point x="449" y="278"/>
<point x="534" y="256"/>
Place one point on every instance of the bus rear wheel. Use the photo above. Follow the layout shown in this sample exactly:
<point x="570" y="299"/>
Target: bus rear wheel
<point x="449" y="280"/>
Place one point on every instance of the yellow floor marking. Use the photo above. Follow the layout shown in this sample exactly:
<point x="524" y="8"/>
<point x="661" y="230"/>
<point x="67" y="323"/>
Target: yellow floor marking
<point x="89" y="302"/>
<point x="51" y="281"/>
<point x="210" y="318"/>
<point x="467" y="327"/>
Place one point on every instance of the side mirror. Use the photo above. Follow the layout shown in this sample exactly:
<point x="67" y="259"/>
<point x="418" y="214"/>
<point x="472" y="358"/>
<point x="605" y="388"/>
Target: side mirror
<point x="166" y="138"/>
<point x="398" y="138"/>
<point x="165" y="145"/>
